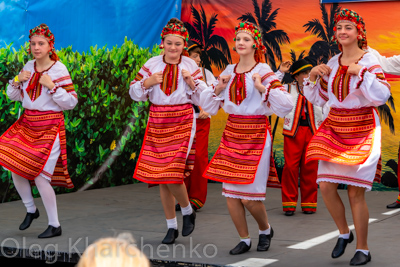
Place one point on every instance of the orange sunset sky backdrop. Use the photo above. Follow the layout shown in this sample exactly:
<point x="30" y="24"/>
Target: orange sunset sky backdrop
<point x="383" y="33"/>
<point x="381" y="18"/>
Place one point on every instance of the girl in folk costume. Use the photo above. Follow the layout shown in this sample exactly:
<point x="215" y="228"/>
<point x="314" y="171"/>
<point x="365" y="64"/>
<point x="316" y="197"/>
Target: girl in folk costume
<point x="34" y="148"/>
<point x="299" y="127"/>
<point x="390" y="65"/>
<point x="196" y="184"/>
<point x="348" y="143"/>
<point x="250" y="91"/>
<point x="172" y="82"/>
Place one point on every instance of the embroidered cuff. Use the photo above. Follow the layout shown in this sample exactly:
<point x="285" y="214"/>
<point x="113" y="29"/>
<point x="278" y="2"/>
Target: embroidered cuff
<point x="309" y="83"/>
<point x="52" y="91"/>
<point x="145" y="90"/>
<point x="189" y="90"/>
<point x="11" y="82"/>
<point x="215" y="96"/>
<point x="265" y="95"/>
<point x="361" y="76"/>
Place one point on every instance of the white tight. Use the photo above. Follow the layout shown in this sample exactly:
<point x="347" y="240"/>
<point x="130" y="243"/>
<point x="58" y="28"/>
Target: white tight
<point x="46" y="192"/>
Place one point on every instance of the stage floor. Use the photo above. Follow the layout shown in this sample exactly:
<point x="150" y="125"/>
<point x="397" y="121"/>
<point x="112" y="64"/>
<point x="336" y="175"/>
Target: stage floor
<point x="300" y="240"/>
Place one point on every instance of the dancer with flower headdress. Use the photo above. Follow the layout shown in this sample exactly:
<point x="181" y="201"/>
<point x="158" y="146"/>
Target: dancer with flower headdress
<point x="250" y="92"/>
<point x="172" y="82"/>
<point x="34" y="148"/>
<point x="348" y="143"/>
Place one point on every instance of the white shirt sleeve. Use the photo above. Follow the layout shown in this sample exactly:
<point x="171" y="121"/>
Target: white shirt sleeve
<point x="65" y="95"/>
<point x="280" y="75"/>
<point x="389" y="65"/>
<point x="373" y="85"/>
<point x="275" y="96"/>
<point x="14" y="93"/>
<point x="136" y="89"/>
<point x="209" y="101"/>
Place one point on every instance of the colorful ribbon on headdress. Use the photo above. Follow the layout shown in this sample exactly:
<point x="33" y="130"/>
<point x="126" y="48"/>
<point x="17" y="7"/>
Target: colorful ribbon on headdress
<point x="354" y="18"/>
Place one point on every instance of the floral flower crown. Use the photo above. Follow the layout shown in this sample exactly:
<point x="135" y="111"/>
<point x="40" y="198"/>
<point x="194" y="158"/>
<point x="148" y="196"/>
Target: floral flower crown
<point x="175" y="29"/>
<point x="249" y="28"/>
<point x="43" y="31"/>
<point x="355" y="19"/>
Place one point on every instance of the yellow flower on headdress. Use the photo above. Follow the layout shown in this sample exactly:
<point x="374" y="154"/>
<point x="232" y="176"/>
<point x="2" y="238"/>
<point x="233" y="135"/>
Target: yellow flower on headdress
<point x="133" y="156"/>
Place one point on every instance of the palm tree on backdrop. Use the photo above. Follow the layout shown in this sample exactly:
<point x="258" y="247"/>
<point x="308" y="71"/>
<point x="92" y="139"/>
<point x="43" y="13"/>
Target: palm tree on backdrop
<point x="273" y="38"/>
<point x="321" y="51"/>
<point x="215" y="49"/>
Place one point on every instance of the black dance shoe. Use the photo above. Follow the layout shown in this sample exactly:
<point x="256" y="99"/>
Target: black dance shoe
<point x="360" y="258"/>
<point x="28" y="219"/>
<point x="51" y="231"/>
<point x="289" y="213"/>
<point x="264" y="241"/>
<point x="171" y="235"/>
<point x="341" y="244"/>
<point x="394" y="205"/>
<point x="188" y="224"/>
<point x="177" y="207"/>
<point x="240" y="248"/>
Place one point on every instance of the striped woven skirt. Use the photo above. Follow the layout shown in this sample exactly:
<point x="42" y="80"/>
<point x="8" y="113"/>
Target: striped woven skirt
<point x="26" y="147"/>
<point x="168" y="150"/>
<point x="348" y="145"/>
<point x="243" y="160"/>
<point x="345" y="137"/>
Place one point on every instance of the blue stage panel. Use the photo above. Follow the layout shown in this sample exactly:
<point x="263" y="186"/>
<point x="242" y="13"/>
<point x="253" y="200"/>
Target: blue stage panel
<point x="87" y="23"/>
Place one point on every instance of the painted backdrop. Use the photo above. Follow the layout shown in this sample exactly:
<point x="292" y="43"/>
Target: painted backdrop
<point x="296" y="29"/>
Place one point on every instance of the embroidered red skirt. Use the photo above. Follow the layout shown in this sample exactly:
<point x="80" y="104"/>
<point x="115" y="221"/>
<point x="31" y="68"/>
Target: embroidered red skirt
<point x="164" y="156"/>
<point x="238" y="156"/>
<point x="26" y="146"/>
<point x="345" y="137"/>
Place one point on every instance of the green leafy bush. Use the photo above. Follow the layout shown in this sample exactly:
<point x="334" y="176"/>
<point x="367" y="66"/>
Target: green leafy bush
<point x="104" y="112"/>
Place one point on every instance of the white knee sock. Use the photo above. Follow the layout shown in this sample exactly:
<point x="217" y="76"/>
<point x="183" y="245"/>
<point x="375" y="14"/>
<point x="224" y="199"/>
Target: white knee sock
<point x="25" y="192"/>
<point x="172" y="223"/>
<point x="186" y="210"/>
<point x="49" y="200"/>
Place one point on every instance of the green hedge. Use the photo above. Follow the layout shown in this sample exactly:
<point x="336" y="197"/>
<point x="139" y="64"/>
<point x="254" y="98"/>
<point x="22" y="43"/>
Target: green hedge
<point x="96" y="125"/>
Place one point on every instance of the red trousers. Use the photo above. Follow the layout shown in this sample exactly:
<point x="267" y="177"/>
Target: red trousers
<point x="196" y="184"/>
<point x="294" y="152"/>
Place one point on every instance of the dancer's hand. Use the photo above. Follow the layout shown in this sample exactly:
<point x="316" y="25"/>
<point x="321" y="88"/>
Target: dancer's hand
<point x="222" y="83"/>
<point x="354" y="69"/>
<point x="257" y="83"/>
<point x="319" y="70"/>
<point x="285" y="66"/>
<point x="154" y="79"/>
<point x="203" y="115"/>
<point x="46" y="81"/>
<point x="187" y="77"/>
<point x="24" y="76"/>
